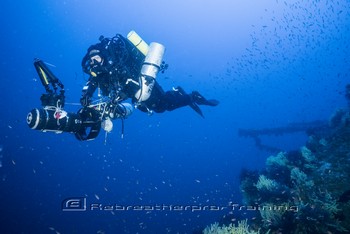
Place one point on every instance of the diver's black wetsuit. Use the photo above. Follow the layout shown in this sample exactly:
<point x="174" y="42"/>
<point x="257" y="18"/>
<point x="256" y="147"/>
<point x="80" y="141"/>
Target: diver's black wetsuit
<point x="117" y="76"/>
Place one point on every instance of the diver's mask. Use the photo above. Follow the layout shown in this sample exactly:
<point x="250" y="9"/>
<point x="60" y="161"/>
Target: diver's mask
<point x="96" y="62"/>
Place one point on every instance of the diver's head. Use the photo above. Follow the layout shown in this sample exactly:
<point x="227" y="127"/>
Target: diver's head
<point x="93" y="62"/>
<point x="95" y="58"/>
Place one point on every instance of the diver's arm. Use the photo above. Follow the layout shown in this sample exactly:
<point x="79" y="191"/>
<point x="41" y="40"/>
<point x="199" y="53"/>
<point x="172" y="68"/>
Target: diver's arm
<point x="88" y="91"/>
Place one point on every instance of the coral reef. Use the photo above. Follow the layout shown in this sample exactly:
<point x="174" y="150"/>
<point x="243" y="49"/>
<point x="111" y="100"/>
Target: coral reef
<point x="241" y="228"/>
<point x="302" y="191"/>
<point x="265" y="183"/>
<point x="314" y="179"/>
<point x="279" y="160"/>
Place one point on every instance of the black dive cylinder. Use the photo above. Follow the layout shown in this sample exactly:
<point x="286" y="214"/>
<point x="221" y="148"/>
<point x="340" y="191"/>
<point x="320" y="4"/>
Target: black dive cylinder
<point x="46" y="119"/>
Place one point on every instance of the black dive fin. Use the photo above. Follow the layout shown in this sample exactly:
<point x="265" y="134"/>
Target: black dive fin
<point x="200" y="100"/>
<point x="212" y="102"/>
<point x="196" y="108"/>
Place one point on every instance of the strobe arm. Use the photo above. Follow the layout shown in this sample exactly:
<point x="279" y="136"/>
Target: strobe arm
<point x="54" y="95"/>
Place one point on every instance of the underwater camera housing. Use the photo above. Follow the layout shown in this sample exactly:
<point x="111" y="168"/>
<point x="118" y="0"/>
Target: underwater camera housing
<point x="52" y="119"/>
<point x="85" y="124"/>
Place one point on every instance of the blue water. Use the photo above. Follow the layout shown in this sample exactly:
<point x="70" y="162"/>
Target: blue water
<point x="269" y="63"/>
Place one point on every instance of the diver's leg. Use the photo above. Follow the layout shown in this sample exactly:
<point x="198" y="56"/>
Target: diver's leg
<point x="161" y="101"/>
<point x="177" y="98"/>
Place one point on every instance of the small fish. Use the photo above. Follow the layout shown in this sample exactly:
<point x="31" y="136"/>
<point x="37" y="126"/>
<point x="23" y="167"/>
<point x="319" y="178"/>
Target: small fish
<point x="49" y="64"/>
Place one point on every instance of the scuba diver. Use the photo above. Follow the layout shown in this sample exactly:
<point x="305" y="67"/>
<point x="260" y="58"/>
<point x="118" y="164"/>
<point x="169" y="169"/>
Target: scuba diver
<point x="120" y="69"/>
<point x="114" y="66"/>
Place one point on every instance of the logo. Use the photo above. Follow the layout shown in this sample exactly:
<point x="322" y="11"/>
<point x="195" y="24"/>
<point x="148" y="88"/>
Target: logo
<point x="80" y="204"/>
<point x="74" y="204"/>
